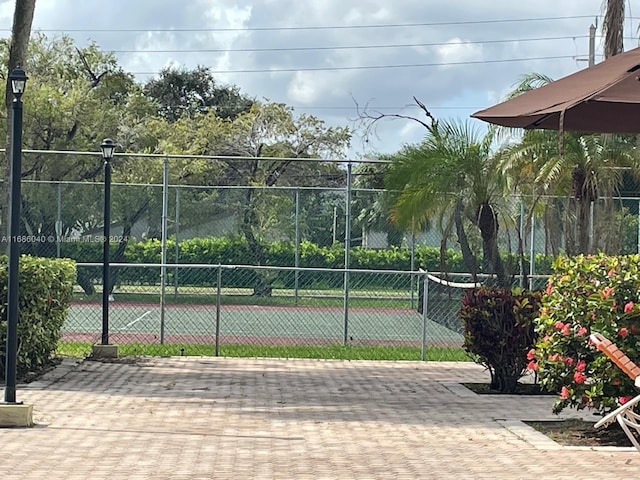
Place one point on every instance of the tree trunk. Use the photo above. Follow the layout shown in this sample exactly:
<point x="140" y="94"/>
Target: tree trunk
<point x="469" y="259"/>
<point x="20" y="34"/>
<point x="262" y="287"/>
<point x="613" y="27"/>
<point x="491" y="261"/>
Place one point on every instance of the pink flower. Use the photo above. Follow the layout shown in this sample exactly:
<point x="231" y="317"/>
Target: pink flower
<point x="579" y="377"/>
<point x="581" y="365"/>
<point x="628" y="307"/>
<point x="558" y="325"/>
<point x="582" y="331"/>
<point x="531" y="354"/>
<point x="568" y="361"/>
<point x="606" y="293"/>
<point x="625" y="399"/>
<point x="564" y="393"/>
<point x="623" y="332"/>
<point x="556" y="357"/>
<point x="549" y="289"/>
<point x="566" y="330"/>
<point x="532" y="365"/>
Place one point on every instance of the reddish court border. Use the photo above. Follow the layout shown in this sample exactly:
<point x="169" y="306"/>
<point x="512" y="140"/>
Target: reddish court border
<point x="283" y="308"/>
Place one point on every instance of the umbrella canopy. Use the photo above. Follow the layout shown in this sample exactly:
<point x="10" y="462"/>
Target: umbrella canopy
<point x="604" y="98"/>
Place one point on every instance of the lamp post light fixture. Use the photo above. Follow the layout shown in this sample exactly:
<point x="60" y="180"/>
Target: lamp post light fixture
<point x="108" y="148"/>
<point x="18" y="80"/>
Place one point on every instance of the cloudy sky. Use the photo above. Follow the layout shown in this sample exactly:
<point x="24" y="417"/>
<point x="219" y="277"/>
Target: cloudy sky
<point x="324" y="56"/>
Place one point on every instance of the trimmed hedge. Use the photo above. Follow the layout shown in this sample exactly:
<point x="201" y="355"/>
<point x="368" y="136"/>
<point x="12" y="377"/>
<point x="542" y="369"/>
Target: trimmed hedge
<point x="235" y="251"/>
<point x="45" y="290"/>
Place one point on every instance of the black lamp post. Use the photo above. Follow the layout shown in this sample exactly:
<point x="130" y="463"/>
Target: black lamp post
<point x="18" y="81"/>
<point x="108" y="147"/>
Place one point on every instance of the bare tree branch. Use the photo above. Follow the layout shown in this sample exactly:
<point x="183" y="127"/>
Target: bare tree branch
<point x="370" y="118"/>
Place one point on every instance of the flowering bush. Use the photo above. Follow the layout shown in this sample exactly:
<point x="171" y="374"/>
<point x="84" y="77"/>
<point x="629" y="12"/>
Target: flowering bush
<point x="588" y="294"/>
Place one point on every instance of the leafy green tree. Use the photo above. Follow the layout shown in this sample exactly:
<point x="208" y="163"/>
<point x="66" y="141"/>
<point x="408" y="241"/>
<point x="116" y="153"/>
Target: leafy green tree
<point x="273" y="144"/>
<point x="180" y="92"/>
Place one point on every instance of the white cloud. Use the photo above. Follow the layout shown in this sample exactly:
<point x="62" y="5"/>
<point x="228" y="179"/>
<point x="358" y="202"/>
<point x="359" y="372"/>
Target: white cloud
<point x="445" y="29"/>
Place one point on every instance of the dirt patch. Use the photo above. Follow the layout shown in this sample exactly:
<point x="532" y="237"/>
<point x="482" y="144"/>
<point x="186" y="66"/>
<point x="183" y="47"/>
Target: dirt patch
<point x="573" y="433"/>
<point x="580" y="433"/>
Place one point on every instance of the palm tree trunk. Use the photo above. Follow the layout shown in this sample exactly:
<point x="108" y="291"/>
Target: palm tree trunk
<point x="613" y="27"/>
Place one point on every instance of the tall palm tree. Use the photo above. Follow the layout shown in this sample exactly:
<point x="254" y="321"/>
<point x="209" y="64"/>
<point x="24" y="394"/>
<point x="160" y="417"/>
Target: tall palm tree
<point x="451" y="175"/>
<point x="590" y="168"/>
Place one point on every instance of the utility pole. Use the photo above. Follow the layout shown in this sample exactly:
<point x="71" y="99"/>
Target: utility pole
<point x="592" y="45"/>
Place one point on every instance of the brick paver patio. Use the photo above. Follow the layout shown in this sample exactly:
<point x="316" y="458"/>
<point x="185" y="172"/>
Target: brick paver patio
<point x="232" y="418"/>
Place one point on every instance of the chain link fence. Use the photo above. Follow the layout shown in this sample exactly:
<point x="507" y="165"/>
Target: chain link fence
<point x="214" y="311"/>
<point x="198" y="305"/>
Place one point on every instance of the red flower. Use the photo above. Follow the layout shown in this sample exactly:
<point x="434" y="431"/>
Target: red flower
<point x="568" y="361"/>
<point x="556" y="357"/>
<point x="581" y="365"/>
<point x="549" y="289"/>
<point x="532" y="365"/>
<point x="558" y="325"/>
<point x="628" y="307"/>
<point x="564" y="393"/>
<point x="623" y="332"/>
<point x="566" y="330"/>
<point x="625" y="399"/>
<point x="579" y="377"/>
<point x="582" y="331"/>
<point x="531" y="354"/>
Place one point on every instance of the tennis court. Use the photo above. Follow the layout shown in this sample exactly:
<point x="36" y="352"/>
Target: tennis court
<point x="146" y="323"/>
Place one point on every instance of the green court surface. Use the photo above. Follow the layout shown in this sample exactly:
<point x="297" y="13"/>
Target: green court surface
<point x="144" y="322"/>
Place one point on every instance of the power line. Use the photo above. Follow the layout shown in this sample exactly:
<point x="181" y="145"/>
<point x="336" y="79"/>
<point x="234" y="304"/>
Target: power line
<point x="314" y="27"/>
<point x="350" y="47"/>
<point x="379" y="67"/>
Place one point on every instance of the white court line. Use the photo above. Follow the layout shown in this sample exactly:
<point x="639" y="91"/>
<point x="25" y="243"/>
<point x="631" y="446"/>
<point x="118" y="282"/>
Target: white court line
<point x="136" y="320"/>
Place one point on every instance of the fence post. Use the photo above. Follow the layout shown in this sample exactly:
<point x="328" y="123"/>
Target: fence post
<point x="520" y="249"/>
<point x="218" y="291"/>
<point x="297" y="260"/>
<point x="58" y="226"/>
<point x="425" y="309"/>
<point x="177" y="249"/>
<point x="347" y="248"/>
<point x="163" y="267"/>
<point x="532" y="251"/>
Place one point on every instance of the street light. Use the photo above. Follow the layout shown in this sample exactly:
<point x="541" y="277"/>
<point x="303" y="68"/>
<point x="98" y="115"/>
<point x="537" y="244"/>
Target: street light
<point x="108" y="147"/>
<point x="18" y="82"/>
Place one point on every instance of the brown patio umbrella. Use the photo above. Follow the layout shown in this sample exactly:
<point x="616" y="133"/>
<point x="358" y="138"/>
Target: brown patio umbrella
<point x="604" y="98"/>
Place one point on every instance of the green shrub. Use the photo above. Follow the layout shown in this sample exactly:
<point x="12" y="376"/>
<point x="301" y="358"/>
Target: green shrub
<point x="45" y="290"/>
<point x="585" y="294"/>
<point x="499" y="331"/>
